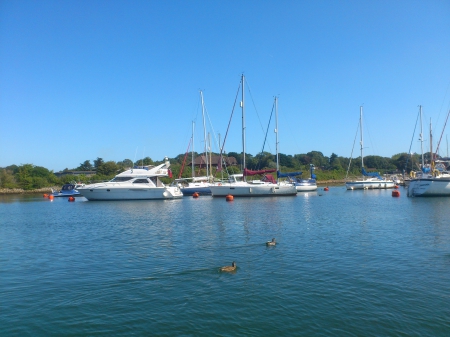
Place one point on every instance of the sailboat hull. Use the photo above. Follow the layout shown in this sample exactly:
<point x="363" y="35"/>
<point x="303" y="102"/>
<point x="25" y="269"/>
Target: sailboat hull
<point x="252" y="190"/>
<point x="369" y="184"/>
<point x="429" y="187"/>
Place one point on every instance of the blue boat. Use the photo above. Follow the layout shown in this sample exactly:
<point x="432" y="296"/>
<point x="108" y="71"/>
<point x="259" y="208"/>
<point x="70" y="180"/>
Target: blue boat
<point x="68" y="190"/>
<point x="301" y="185"/>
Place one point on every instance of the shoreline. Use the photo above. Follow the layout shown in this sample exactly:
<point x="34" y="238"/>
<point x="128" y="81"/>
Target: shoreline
<point x="4" y="191"/>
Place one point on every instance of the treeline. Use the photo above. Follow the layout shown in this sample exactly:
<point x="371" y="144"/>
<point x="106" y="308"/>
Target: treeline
<point x="29" y="177"/>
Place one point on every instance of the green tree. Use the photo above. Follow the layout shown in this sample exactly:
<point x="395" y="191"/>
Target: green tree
<point x="98" y="162"/>
<point x="144" y="162"/>
<point x="285" y="160"/>
<point x="85" y="166"/>
<point x="7" y="179"/>
<point x="108" y="168"/>
<point x="125" y="164"/>
<point x="24" y="178"/>
<point x="335" y="163"/>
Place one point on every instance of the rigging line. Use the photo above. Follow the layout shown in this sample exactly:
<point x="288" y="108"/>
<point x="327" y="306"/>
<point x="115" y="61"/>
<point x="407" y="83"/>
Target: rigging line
<point x="216" y="142"/>
<point x="228" y="128"/>
<point x="265" y="138"/>
<point x="367" y="131"/>
<point x="443" y="129"/>
<point x="254" y="106"/>
<point x="412" y="139"/>
<point x="351" y="155"/>
<point x="184" y="160"/>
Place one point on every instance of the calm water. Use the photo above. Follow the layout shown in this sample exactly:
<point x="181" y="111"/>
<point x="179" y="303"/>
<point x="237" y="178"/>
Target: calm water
<point x="347" y="263"/>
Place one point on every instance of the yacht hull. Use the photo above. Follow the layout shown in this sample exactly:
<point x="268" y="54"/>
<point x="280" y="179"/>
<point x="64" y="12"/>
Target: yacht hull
<point x="131" y="193"/>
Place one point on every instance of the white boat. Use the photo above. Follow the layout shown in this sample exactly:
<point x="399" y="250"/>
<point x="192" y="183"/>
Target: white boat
<point x="302" y="185"/>
<point x="373" y="180"/>
<point x="237" y="185"/>
<point x="294" y="178"/>
<point x="189" y="186"/>
<point x="430" y="185"/>
<point x="140" y="183"/>
<point x="199" y="185"/>
<point x="434" y="179"/>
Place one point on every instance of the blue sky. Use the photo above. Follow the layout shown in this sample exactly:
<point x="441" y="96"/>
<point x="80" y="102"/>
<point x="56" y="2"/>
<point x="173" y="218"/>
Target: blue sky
<point x="121" y="79"/>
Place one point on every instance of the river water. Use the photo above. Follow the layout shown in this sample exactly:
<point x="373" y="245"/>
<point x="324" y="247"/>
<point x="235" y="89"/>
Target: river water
<point x="346" y="263"/>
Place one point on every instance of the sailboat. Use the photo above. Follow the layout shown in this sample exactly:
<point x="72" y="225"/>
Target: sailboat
<point x="199" y="185"/>
<point x="301" y="185"/>
<point x="374" y="180"/>
<point x="238" y="186"/>
<point x="434" y="179"/>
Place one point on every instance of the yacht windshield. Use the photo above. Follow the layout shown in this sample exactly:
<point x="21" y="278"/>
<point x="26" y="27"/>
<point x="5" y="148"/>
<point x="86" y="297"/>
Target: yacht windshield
<point x="119" y="179"/>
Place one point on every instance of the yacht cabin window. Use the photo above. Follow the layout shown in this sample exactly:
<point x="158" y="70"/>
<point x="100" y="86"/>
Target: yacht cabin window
<point x="140" y="181"/>
<point x="119" y="179"/>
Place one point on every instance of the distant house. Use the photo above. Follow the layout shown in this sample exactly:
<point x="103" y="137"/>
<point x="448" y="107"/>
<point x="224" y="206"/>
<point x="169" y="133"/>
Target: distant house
<point x="74" y="173"/>
<point x="200" y="161"/>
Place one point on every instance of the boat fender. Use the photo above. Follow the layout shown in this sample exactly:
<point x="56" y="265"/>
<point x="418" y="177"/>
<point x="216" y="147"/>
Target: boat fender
<point x="412" y="174"/>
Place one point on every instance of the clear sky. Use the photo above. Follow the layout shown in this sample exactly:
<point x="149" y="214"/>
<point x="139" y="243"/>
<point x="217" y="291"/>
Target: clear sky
<point x="121" y="79"/>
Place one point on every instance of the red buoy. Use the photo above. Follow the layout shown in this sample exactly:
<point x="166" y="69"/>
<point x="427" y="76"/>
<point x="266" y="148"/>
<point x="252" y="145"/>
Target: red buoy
<point x="326" y="189"/>
<point x="396" y="186"/>
<point x="71" y="199"/>
<point x="195" y="195"/>
<point x="45" y="195"/>
<point x="51" y="197"/>
<point x="395" y="193"/>
<point x="229" y="197"/>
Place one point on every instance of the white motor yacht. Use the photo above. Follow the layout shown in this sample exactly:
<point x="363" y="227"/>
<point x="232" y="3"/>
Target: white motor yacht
<point x="139" y="183"/>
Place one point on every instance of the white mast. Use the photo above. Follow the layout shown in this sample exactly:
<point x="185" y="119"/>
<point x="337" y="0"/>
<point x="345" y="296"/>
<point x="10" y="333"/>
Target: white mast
<point x="204" y="134"/>
<point x="243" y="126"/>
<point x="421" y="135"/>
<point x="276" y="130"/>
<point x="210" y="156"/>
<point x="192" y="153"/>
<point x="361" y="142"/>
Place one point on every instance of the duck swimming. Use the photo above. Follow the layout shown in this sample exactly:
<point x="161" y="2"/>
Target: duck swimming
<point x="271" y="243"/>
<point x="229" y="268"/>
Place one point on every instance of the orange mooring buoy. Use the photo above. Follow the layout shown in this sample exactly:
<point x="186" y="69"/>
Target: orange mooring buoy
<point x="71" y="199"/>
<point x="395" y="193"/>
<point x="326" y="189"/>
<point x="51" y="197"/>
<point x="396" y="186"/>
<point x="45" y="195"/>
<point x="195" y="195"/>
<point x="229" y="197"/>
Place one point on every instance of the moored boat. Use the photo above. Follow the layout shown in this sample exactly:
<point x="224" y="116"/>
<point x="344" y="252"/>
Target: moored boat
<point x="139" y="183"/>
<point x="68" y="190"/>
<point x="434" y="179"/>
<point x="238" y="185"/>
<point x="189" y="186"/>
<point x="370" y="180"/>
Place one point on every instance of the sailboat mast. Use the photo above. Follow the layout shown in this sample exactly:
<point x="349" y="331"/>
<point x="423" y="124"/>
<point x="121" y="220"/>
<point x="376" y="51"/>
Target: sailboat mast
<point x="431" y="145"/>
<point x="361" y="131"/>
<point x="276" y="130"/>
<point x="421" y="135"/>
<point x="204" y="134"/>
<point x="192" y="153"/>
<point x="243" y="126"/>
<point x="210" y="155"/>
